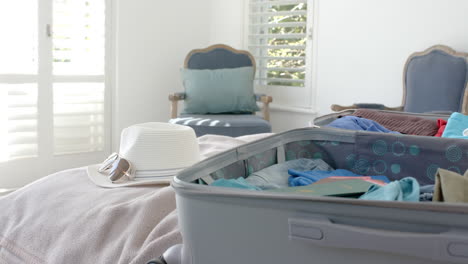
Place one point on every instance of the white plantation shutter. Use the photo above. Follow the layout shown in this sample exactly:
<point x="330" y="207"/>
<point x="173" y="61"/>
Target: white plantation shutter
<point x="78" y="37"/>
<point x="18" y="31"/>
<point x="279" y="38"/>
<point x="78" y="117"/>
<point x="78" y="67"/>
<point x="18" y="121"/>
<point x="53" y="90"/>
<point x="18" y="80"/>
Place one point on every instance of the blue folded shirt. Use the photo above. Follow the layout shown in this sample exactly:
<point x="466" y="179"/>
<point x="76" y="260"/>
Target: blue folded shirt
<point x="358" y="123"/>
<point x="276" y="176"/>
<point x="238" y="183"/>
<point x="303" y="178"/>
<point x="406" y="189"/>
<point x="456" y="124"/>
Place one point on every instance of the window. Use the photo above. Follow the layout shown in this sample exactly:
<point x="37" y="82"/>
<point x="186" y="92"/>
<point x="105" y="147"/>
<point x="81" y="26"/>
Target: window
<point x="279" y="39"/>
<point x="18" y="79"/>
<point x="78" y="70"/>
<point x="52" y="86"/>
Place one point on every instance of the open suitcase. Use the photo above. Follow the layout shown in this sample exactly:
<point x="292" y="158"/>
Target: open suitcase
<point x="224" y="225"/>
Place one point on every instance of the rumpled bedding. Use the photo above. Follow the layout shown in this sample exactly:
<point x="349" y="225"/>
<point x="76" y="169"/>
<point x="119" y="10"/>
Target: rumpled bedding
<point x="65" y="218"/>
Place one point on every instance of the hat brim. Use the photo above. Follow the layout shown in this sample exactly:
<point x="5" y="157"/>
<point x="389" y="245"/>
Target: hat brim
<point x="101" y="179"/>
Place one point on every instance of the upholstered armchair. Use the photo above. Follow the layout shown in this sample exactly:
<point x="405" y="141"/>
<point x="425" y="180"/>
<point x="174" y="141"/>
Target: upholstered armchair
<point x="218" y="59"/>
<point x="435" y="80"/>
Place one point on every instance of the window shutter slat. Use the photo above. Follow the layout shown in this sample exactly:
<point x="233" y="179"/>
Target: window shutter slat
<point x="281" y="80"/>
<point x="280" y="36"/>
<point x="280" y="24"/>
<point x="277" y="2"/>
<point x="280" y="58"/>
<point x="278" y="46"/>
<point x="298" y="69"/>
<point x="279" y="13"/>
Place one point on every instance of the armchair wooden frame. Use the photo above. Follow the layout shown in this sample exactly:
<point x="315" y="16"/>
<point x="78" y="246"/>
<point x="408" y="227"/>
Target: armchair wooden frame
<point x="264" y="99"/>
<point x="443" y="48"/>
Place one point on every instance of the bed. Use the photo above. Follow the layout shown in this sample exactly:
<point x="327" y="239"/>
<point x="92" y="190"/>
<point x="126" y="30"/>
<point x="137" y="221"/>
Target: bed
<point x="65" y="218"/>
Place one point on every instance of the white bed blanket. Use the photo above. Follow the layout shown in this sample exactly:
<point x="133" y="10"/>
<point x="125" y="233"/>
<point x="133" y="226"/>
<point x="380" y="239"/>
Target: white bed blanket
<point x="65" y="218"/>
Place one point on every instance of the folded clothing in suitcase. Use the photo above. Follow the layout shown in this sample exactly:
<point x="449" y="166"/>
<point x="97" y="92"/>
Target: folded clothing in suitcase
<point x="404" y="122"/>
<point x="226" y="225"/>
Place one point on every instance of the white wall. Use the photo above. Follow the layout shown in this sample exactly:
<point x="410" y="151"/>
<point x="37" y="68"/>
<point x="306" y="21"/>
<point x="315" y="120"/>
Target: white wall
<point x="363" y="45"/>
<point x="227" y="22"/>
<point x="152" y="39"/>
<point x="285" y="120"/>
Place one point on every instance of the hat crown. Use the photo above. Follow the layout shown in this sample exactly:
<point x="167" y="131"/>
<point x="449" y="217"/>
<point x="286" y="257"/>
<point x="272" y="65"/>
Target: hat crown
<point x="158" y="146"/>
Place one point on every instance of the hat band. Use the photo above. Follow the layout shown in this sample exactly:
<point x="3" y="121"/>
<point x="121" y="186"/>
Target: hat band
<point x="156" y="173"/>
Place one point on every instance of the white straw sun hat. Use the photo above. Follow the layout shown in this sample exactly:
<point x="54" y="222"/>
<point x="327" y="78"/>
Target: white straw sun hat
<point x="156" y="152"/>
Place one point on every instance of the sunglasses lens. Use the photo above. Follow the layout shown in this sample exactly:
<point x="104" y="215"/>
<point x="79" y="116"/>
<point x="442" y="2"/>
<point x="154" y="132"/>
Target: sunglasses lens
<point x="119" y="169"/>
<point x="108" y="162"/>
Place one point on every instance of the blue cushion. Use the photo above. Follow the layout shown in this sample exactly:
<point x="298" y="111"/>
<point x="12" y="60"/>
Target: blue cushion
<point x="219" y="91"/>
<point x="226" y="125"/>
<point x="435" y="82"/>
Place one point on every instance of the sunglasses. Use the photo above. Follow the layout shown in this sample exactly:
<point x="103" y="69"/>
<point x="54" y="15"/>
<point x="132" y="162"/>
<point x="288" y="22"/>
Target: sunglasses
<point x="118" y="167"/>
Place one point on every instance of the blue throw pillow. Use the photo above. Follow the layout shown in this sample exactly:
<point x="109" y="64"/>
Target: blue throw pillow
<point x="219" y="91"/>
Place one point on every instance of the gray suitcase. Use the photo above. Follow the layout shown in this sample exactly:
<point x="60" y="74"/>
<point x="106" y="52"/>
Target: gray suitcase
<point x="224" y="225"/>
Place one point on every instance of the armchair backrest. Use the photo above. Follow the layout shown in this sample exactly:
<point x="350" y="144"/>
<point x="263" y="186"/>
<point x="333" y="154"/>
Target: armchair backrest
<point x="436" y="80"/>
<point x="218" y="56"/>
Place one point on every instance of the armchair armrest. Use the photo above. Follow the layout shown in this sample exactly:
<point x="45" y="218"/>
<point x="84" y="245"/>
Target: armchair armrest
<point x="266" y="100"/>
<point x="338" y="108"/>
<point x="175" y="98"/>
